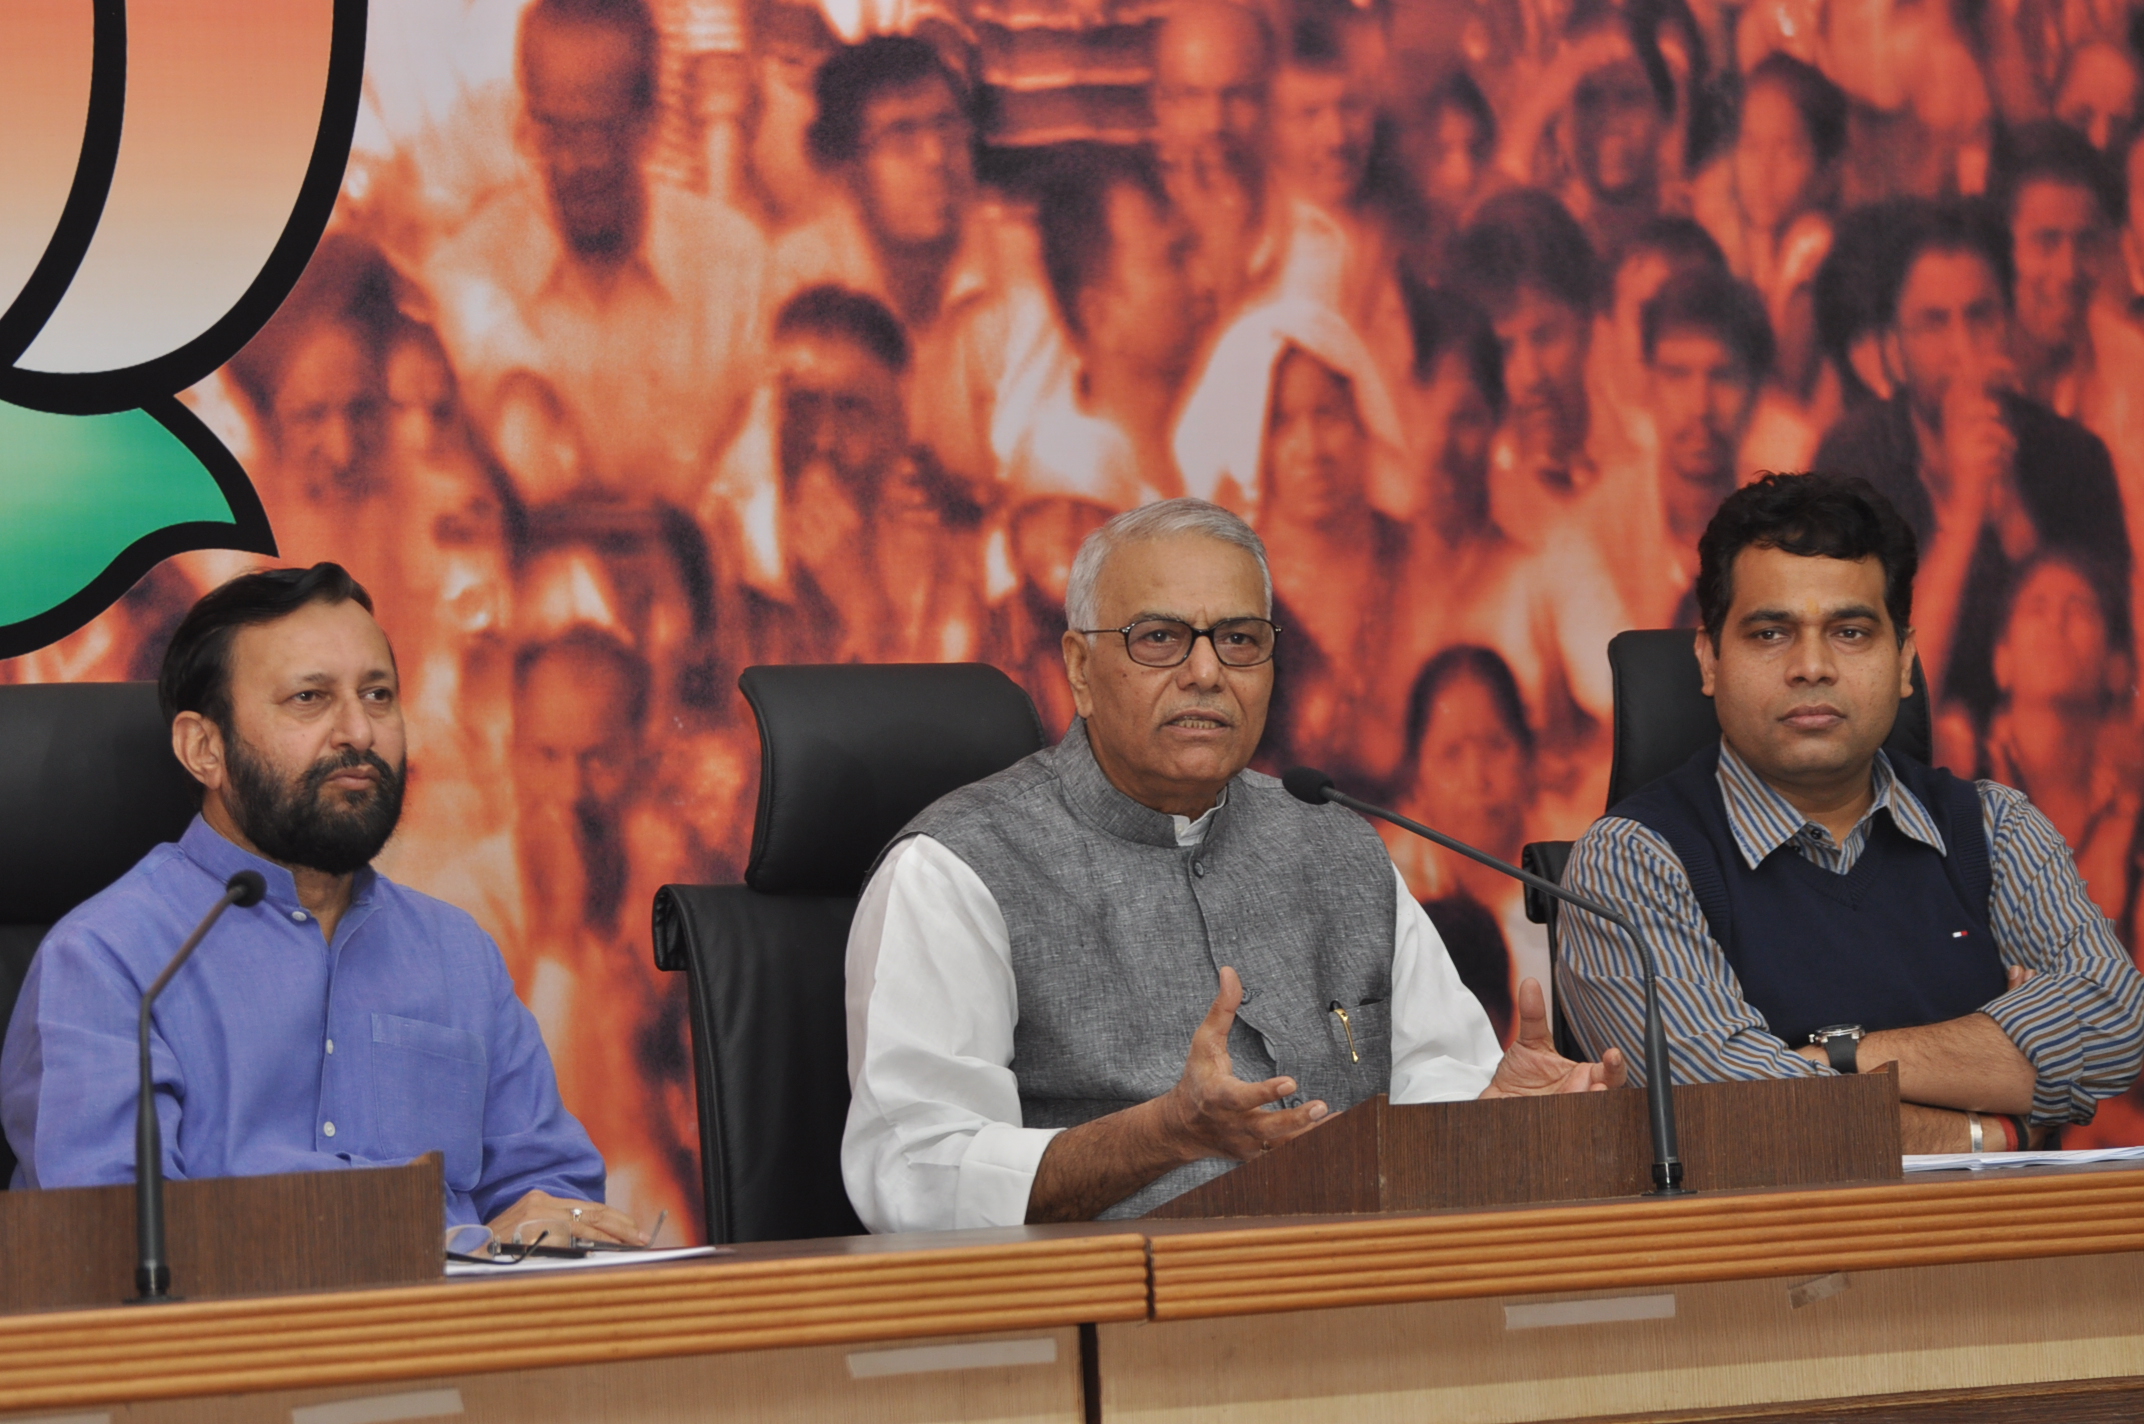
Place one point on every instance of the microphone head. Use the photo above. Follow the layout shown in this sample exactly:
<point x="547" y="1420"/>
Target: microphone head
<point x="246" y="888"/>
<point x="1306" y="784"/>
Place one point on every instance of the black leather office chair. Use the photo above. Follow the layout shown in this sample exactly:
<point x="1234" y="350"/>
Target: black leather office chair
<point x="88" y="785"/>
<point x="1662" y="719"/>
<point x="848" y="755"/>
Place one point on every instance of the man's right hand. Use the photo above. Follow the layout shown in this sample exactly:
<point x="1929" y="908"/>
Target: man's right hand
<point x="1213" y="1113"/>
<point x="1209" y="1113"/>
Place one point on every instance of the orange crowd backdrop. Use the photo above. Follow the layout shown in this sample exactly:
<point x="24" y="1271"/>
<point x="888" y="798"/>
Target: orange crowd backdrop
<point x="652" y="339"/>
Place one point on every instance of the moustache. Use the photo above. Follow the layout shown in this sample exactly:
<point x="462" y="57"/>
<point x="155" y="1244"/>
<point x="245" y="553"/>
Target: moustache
<point x="316" y="776"/>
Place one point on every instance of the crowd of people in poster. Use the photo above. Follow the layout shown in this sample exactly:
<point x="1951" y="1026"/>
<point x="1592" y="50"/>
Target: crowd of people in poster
<point x="667" y="337"/>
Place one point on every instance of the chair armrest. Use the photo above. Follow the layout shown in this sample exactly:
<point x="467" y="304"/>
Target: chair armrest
<point x="673" y="926"/>
<point x="1547" y="860"/>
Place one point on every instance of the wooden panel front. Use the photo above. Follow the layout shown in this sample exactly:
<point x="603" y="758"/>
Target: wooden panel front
<point x="798" y="1386"/>
<point x="2102" y="1401"/>
<point x="1736" y="1347"/>
<point x="1381" y="1156"/>
<point x="769" y="1299"/>
<point x="227" y="1236"/>
<point x="1205" y="1269"/>
<point x="1773" y="1133"/>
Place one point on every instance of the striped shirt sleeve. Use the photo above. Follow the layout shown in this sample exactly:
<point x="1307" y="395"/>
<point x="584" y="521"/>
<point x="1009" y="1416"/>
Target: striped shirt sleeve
<point x="1712" y="1031"/>
<point x="2080" y="1018"/>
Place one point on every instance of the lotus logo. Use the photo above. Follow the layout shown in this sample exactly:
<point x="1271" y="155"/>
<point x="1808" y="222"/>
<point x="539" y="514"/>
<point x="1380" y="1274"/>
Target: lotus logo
<point x="170" y="168"/>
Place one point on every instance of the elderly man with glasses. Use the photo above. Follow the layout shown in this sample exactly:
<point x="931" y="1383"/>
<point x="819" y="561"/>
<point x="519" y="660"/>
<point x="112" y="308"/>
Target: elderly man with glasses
<point x="1035" y="954"/>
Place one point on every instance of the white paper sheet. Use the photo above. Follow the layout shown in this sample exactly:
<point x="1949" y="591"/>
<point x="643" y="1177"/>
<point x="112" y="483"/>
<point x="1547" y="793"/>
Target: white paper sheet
<point x="592" y="1260"/>
<point x="1952" y="1161"/>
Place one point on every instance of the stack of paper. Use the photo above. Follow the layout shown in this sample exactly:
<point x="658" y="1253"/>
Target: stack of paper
<point x="1951" y="1161"/>
<point x="593" y="1258"/>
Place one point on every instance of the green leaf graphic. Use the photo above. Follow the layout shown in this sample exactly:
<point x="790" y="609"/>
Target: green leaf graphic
<point x="78" y="490"/>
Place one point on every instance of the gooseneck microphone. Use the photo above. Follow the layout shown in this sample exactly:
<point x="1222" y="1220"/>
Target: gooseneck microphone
<point x="152" y="1274"/>
<point x="1305" y="784"/>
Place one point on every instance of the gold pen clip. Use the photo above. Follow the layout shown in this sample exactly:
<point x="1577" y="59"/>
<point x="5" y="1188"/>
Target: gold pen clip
<point x="1348" y="1025"/>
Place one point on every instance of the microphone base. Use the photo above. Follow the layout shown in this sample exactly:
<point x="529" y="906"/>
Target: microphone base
<point x="154" y="1283"/>
<point x="1667" y="1179"/>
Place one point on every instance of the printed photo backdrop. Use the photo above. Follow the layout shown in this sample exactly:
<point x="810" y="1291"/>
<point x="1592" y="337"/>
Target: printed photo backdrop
<point x="646" y="340"/>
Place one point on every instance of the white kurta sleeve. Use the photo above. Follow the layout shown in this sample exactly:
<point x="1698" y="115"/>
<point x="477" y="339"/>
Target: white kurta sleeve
<point x="1443" y="1047"/>
<point x="934" y="1139"/>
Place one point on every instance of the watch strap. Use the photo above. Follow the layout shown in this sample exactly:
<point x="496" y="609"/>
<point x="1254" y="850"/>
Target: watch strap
<point x="1844" y="1051"/>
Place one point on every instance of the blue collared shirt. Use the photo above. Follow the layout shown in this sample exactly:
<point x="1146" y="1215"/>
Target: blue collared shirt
<point x="275" y="1050"/>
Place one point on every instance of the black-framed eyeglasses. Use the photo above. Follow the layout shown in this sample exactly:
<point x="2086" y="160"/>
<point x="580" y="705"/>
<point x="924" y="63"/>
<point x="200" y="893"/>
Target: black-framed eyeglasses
<point x="1166" y="642"/>
<point x="476" y="1245"/>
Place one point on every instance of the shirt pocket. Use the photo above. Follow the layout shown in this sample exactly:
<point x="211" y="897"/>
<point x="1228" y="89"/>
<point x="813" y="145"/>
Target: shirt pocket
<point x="428" y="1085"/>
<point x="1362" y="1044"/>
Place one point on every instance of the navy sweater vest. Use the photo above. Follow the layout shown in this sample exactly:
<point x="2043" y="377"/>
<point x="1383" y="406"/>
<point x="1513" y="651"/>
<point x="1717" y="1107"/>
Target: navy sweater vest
<point x="1899" y="941"/>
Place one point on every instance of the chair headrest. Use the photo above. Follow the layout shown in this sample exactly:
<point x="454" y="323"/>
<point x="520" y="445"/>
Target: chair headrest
<point x="850" y="753"/>
<point x="89" y="786"/>
<point x="1662" y="716"/>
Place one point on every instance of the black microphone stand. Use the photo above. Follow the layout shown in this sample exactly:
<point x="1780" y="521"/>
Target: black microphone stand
<point x="152" y="1275"/>
<point x="1313" y="786"/>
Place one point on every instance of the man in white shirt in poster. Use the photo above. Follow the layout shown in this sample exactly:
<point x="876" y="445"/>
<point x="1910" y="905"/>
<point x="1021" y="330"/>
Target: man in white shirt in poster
<point x="1036" y="952"/>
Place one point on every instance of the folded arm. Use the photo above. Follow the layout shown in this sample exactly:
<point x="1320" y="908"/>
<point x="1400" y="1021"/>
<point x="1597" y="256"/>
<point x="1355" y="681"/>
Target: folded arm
<point x="2078" y="1019"/>
<point x="1712" y="1031"/>
<point x="2068" y="1032"/>
<point x="1968" y="1064"/>
<point x="1925" y="1130"/>
<point x="2069" y="1029"/>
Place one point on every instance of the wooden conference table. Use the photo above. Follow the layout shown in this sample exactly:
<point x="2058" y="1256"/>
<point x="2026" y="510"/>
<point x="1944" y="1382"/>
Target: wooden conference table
<point x="1960" y="1296"/>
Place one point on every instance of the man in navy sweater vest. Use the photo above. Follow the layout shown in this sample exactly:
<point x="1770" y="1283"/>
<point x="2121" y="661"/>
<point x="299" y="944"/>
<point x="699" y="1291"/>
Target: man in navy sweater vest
<point x="1820" y="905"/>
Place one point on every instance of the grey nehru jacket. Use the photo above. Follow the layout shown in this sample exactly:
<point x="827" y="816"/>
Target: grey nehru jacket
<point x="1118" y="936"/>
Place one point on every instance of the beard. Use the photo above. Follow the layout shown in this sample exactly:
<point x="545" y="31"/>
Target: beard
<point x="298" y="822"/>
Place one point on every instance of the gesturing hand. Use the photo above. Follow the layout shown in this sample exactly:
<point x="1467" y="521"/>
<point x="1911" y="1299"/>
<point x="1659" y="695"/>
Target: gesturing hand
<point x="1533" y="1068"/>
<point x="1213" y="1113"/>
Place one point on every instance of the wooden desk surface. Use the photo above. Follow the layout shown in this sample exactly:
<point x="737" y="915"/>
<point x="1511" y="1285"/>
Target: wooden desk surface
<point x="1214" y="1268"/>
<point x="762" y="1297"/>
<point x="782" y="1296"/>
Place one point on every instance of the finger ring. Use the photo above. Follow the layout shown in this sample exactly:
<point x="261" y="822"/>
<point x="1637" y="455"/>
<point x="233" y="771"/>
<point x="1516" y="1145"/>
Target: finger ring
<point x="576" y="1215"/>
<point x="1265" y="1147"/>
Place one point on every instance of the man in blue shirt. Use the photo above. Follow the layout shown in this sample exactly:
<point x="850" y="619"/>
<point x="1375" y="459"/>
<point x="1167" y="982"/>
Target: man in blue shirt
<point x="344" y="1021"/>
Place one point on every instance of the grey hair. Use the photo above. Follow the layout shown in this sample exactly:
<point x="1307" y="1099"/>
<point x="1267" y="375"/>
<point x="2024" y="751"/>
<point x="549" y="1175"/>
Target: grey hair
<point x="1164" y="519"/>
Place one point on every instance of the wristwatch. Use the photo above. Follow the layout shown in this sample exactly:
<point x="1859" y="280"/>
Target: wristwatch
<point x="1842" y="1045"/>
